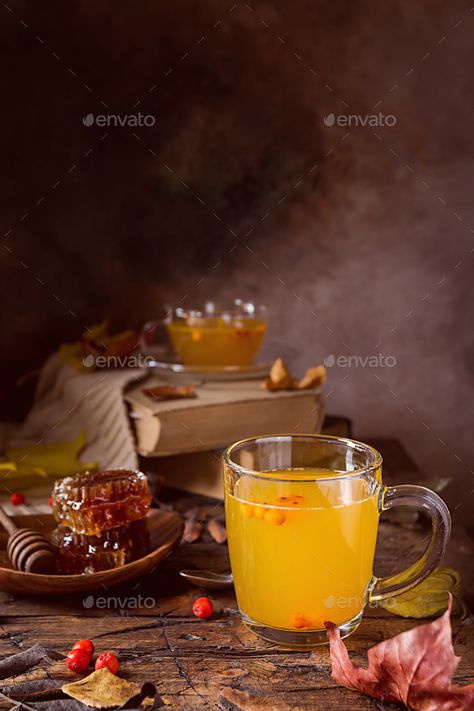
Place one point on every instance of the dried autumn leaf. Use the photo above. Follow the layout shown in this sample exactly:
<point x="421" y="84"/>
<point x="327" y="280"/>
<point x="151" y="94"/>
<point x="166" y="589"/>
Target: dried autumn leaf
<point x="73" y="354"/>
<point x="429" y="598"/>
<point x="170" y="392"/>
<point x="101" y="690"/>
<point x="96" y="333"/>
<point x="192" y="527"/>
<point x="280" y="377"/>
<point x="192" y="531"/>
<point x="217" y="530"/>
<point x="97" y="341"/>
<point x="191" y="513"/>
<point x="313" y="378"/>
<point x="414" y="668"/>
<point x="18" y="663"/>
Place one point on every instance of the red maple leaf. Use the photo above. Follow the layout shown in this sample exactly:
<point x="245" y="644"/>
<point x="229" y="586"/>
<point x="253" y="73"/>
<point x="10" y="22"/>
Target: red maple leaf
<point x="414" y="668"/>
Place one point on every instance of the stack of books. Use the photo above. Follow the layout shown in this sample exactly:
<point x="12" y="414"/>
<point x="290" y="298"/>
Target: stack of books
<point x="186" y="435"/>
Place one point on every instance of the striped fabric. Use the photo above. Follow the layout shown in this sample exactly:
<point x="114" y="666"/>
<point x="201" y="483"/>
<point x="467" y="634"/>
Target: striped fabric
<point x="68" y="402"/>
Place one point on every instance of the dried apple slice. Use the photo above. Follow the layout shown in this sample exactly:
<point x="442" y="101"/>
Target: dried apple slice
<point x="313" y="378"/>
<point x="280" y="377"/>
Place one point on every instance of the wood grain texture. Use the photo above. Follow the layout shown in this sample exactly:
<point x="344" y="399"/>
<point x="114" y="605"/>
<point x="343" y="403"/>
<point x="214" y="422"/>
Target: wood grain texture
<point x="218" y="663"/>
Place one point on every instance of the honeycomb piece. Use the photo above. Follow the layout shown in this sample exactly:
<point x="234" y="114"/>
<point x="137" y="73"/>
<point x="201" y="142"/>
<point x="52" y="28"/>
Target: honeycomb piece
<point x="92" y="502"/>
<point x="111" y="549"/>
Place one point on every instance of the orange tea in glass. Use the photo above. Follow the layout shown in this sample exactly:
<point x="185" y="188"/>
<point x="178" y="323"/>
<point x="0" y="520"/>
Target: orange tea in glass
<point x="217" y="336"/>
<point x="302" y="514"/>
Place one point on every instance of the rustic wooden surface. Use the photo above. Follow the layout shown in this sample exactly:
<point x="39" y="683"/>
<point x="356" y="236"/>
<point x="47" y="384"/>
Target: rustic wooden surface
<point x="218" y="663"/>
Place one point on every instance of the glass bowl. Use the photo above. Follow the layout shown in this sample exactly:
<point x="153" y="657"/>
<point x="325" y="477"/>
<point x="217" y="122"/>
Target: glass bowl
<point x="217" y="335"/>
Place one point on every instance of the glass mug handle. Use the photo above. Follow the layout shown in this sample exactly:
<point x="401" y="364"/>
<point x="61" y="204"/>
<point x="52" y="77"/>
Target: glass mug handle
<point x="419" y="496"/>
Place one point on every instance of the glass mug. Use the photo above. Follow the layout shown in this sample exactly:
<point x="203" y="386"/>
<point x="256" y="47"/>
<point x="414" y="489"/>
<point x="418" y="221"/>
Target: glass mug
<point x="302" y="514"/>
<point x="217" y="335"/>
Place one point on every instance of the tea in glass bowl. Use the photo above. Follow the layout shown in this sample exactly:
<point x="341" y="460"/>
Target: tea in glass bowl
<point x="215" y="335"/>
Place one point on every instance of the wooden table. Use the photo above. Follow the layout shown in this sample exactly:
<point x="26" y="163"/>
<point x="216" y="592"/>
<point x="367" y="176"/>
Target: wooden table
<point x="218" y="663"/>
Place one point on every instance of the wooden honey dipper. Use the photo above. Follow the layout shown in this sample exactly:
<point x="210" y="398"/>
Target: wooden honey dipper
<point x="28" y="550"/>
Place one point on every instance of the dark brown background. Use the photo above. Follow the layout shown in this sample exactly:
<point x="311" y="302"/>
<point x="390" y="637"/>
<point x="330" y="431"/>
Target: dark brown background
<point x="360" y="243"/>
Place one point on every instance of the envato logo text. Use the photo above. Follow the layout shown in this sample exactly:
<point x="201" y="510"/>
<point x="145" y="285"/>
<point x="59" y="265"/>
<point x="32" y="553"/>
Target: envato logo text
<point x="118" y="603"/>
<point x="353" y="602"/>
<point x="353" y="361"/>
<point x="119" y="120"/>
<point x="136" y="360"/>
<point x="352" y="120"/>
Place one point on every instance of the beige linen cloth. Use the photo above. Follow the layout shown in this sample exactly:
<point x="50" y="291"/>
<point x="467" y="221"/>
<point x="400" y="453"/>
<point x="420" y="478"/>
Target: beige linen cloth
<point x="68" y="402"/>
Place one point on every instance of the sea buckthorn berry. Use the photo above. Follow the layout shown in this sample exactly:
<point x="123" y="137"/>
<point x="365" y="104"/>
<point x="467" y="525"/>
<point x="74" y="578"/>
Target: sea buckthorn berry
<point x="109" y="660"/>
<point x="299" y="621"/>
<point x="86" y="645"/>
<point x="17" y="498"/>
<point x="259" y="511"/>
<point x="275" y="517"/>
<point x="203" y="608"/>
<point x="247" y="510"/>
<point x="77" y="660"/>
<point x="196" y="336"/>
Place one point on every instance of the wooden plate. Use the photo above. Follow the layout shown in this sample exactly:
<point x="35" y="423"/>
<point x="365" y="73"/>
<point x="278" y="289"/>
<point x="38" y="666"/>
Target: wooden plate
<point x="165" y="530"/>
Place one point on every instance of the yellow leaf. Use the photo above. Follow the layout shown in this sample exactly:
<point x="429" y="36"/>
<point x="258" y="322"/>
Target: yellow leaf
<point x="73" y="354"/>
<point x="430" y="597"/>
<point x="97" y="341"/>
<point x="48" y="459"/>
<point x="97" y="332"/>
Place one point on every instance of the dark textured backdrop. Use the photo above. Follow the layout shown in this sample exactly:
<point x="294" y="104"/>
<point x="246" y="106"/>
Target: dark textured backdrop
<point x="360" y="239"/>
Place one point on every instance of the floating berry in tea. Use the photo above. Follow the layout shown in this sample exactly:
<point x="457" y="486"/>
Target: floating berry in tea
<point x="247" y="510"/>
<point x="274" y="517"/>
<point x="259" y="511"/>
<point x="299" y="621"/>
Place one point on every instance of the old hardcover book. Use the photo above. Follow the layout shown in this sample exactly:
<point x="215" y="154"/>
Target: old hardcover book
<point x="222" y="412"/>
